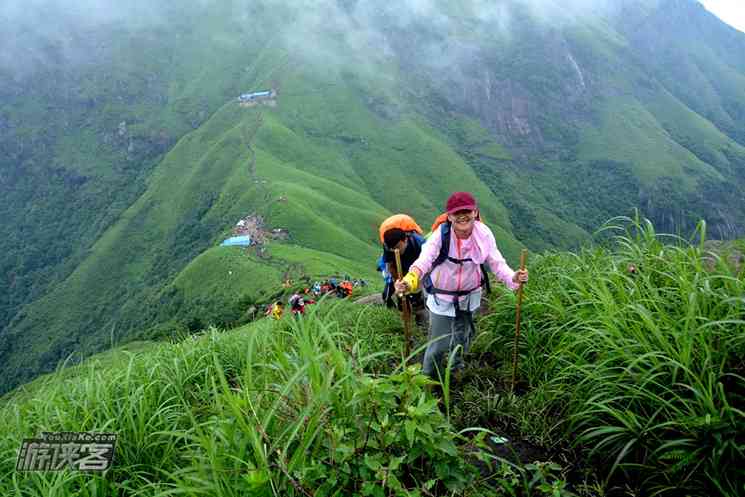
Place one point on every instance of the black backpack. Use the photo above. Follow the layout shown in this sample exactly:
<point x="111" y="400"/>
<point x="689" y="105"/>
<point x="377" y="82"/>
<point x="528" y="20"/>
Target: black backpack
<point x="445" y="230"/>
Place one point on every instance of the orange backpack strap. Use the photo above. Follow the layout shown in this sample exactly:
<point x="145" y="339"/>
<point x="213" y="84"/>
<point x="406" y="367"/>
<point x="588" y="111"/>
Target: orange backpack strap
<point x="400" y="221"/>
<point x="442" y="218"/>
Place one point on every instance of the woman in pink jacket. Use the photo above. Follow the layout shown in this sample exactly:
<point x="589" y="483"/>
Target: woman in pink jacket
<point x="453" y="278"/>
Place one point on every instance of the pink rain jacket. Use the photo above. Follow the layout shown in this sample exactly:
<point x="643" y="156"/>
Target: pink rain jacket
<point x="480" y="247"/>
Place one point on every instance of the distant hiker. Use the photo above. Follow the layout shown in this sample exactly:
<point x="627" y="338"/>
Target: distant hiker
<point x="388" y="288"/>
<point x="344" y="289"/>
<point x="347" y="288"/>
<point x="450" y="270"/>
<point x="297" y="304"/>
<point x="403" y="233"/>
<point x="276" y="310"/>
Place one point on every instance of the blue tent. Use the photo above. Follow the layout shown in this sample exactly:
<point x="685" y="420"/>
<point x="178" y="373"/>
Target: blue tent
<point x="237" y="240"/>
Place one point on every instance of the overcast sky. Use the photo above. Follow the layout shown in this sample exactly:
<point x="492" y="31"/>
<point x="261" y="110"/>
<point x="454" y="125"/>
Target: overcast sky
<point x="730" y="11"/>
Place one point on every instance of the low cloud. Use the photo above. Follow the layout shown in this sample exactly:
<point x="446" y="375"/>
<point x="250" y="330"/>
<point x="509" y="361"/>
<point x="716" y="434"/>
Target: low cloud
<point x="40" y="32"/>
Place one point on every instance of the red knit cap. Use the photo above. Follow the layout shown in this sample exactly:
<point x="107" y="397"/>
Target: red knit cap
<point x="460" y="201"/>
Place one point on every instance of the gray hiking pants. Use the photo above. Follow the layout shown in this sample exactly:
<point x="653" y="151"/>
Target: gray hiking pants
<point x="445" y="334"/>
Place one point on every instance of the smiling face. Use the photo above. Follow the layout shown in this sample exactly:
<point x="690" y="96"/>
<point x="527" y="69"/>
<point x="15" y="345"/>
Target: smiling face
<point x="463" y="222"/>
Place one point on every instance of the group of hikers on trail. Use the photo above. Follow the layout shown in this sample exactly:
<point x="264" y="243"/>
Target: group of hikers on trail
<point x="450" y="267"/>
<point x="297" y="306"/>
<point x="341" y="288"/>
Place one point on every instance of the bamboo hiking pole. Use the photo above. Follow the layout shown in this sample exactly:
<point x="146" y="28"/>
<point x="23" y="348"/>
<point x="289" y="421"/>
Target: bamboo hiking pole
<point x="523" y="256"/>
<point x="405" y="310"/>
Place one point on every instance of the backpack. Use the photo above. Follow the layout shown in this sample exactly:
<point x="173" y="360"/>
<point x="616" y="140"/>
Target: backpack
<point x="417" y="238"/>
<point x="383" y="269"/>
<point x="445" y="231"/>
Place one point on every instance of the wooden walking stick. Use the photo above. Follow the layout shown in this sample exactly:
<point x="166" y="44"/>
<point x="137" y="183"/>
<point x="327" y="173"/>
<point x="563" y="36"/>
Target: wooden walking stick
<point x="405" y="309"/>
<point x="523" y="256"/>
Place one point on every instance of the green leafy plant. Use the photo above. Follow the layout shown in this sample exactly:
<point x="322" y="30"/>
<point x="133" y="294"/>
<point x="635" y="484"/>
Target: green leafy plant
<point x="395" y="443"/>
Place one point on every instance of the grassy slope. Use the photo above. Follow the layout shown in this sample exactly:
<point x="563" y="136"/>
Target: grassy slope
<point x="226" y="274"/>
<point x="645" y="145"/>
<point x="608" y="360"/>
<point x="695" y="132"/>
<point x="335" y="197"/>
<point x="129" y="256"/>
<point x="638" y="121"/>
<point x="73" y="171"/>
<point x="114" y="358"/>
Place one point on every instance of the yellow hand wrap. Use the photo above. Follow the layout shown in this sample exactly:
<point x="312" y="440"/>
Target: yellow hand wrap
<point x="412" y="280"/>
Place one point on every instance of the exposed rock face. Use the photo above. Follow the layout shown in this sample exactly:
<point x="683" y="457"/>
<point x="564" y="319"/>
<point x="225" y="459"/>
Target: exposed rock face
<point x="522" y="94"/>
<point x="504" y="106"/>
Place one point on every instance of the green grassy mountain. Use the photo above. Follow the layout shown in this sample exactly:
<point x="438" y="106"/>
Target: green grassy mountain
<point x="126" y="158"/>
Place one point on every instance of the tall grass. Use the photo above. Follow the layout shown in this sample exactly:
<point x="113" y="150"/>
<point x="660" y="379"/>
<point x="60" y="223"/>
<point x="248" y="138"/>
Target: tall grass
<point x="280" y="408"/>
<point x="642" y="371"/>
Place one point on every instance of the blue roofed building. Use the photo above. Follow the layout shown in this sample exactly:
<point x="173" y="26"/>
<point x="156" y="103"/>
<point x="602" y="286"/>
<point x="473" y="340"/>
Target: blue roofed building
<point x="237" y="241"/>
<point x="257" y="97"/>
